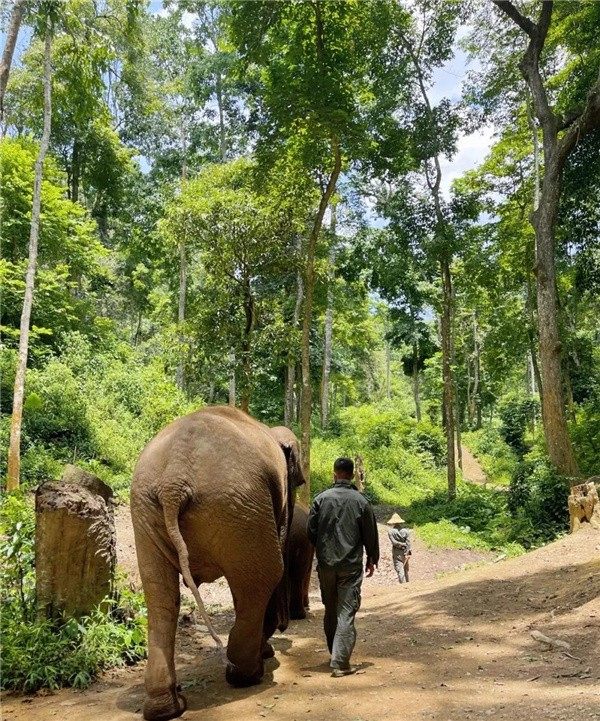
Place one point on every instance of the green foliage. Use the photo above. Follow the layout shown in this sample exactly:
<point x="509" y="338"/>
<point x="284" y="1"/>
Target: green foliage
<point x="55" y="411"/>
<point x="71" y="269"/>
<point x="50" y="654"/>
<point x="538" y="499"/>
<point x="45" y="654"/>
<point x="404" y="468"/>
<point x="403" y="458"/>
<point x="477" y="518"/>
<point x="517" y="413"/>
<point x="95" y="410"/>
<point x="586" y="436"/>
<point x="17" y="576"/>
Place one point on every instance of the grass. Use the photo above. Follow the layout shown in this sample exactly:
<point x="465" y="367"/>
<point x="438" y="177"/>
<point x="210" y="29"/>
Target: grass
<point x="447" y="534"/>
<point x="405" y="470"/>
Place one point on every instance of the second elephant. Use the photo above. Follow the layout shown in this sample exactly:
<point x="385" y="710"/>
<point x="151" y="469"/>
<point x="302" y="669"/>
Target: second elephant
<point x="301" y="560"/>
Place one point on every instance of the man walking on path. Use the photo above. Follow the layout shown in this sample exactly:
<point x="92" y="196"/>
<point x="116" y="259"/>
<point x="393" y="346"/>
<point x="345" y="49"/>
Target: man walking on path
<point x="341" y="523"/>
<point x="400" y="539"/>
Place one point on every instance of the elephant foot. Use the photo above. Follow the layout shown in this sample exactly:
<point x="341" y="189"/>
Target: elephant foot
<point x="268" y="651"/>
<point x="297" y="614"/>
<point x="238" y="679"/>
<point x="166" y="706"/>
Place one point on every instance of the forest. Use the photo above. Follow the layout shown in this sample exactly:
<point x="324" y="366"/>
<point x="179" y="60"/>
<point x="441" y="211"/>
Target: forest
<point x="260" y="204"/>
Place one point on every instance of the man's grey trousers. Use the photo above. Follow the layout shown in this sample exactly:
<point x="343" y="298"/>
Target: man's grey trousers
<point x="340" y="593"/>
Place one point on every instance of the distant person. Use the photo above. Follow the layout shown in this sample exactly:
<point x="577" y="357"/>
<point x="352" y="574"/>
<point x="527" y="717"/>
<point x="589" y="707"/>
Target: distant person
<point x="341" y="523"/>
<point x="401" y="552"/>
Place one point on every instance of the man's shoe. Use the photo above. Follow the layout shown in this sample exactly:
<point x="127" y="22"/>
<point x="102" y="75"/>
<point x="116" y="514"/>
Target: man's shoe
<point x="339" y="672"/>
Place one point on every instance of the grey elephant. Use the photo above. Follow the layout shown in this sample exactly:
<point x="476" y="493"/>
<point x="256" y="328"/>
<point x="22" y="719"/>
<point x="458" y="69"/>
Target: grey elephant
<point x="213" y="496"/>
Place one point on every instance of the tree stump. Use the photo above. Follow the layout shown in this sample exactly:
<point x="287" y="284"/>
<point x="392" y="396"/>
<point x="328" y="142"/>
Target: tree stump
<point x="584" y="505"/>
<point x="75" y="545"/>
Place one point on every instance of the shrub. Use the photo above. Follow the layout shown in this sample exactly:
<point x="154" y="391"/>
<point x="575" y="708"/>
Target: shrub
<point x="430" y="439"/>
<point x="371" y="426"/>
<point x="55" y="410"/>
<point x="46" y="654"/>
<point x="538" y="501"/>
<point x="585" y="435"/>
<point x="516" y="414"/>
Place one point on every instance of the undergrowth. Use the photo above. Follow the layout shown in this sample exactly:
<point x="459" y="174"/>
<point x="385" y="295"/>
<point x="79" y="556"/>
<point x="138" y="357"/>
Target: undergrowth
<point x="42" y="653"/>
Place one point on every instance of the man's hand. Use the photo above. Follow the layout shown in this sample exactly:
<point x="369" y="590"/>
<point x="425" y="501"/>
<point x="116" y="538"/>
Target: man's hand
<point x="370" y="568"/>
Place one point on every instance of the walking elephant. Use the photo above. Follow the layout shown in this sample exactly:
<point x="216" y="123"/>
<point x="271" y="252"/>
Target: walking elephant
<point x="213" y="496"/>
<point x="301" y="560"/>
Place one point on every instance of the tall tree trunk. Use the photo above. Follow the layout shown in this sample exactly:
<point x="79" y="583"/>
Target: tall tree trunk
<point x="232" y="391"/>
<point x="448" y="396"/>
<point x="433" y="178"/>
<point x="289" y="410"/>
<point x="180" y="372"/>
<point x="415" y="379"/>
<point x="12" y="33"/>
<point x="553" y="405"/>
<point x="474" y="399"/>
<point x="247" y="347"/>
<point x="75" y="170"/>
<point x="531" y="334"/>
<point x="457" y="409"/>
<point x="388" y="371"/>
<point x="327" y="348"/>
<point x="14" y="453"/>
<point x="222" y="134"/>
<point x="306" y="398"/>
<point x="457" y="420"/>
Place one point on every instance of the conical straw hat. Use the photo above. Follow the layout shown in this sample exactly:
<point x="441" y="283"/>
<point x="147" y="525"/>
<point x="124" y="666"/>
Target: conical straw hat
<point x="395" y="519"/>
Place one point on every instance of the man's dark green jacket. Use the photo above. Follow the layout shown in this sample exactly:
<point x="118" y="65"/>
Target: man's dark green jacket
<point x="341" y="523"/>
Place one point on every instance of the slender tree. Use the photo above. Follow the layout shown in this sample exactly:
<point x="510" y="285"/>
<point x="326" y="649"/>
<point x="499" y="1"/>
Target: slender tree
<point x="289" y="411"/>
<point x="328" y="336"/>
<point x="418" y="47"/>
<point x="309" y="288"/>
<point x="14" y="453"/>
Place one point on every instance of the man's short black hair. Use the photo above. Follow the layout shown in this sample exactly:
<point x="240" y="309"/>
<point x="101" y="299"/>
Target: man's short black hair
<point x="344" y="466"/>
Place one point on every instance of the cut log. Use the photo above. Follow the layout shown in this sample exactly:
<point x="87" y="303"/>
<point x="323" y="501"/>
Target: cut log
<point x="584" y="505"/>
<point x="75" y="476"/>
<point x="75" y="548"/>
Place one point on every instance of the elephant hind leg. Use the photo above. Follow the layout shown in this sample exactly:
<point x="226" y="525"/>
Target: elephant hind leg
<point x="297" y="607"/>
<point x="160" y="580"/>
<point x="245" y="646"/>
<point x="255" y="609"/>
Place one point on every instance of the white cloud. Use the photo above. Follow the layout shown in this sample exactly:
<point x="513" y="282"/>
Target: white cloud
<point x="471" y="150"/>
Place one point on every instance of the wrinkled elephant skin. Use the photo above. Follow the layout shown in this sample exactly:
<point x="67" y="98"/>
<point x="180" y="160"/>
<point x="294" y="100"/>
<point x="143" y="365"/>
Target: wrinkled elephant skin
<point x="212" y="496"/>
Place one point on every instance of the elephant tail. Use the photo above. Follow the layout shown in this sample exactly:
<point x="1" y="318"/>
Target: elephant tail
<point x="171" y="516"/>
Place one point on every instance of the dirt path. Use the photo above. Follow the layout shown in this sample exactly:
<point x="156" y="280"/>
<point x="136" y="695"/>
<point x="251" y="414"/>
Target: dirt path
<point x="451" y="649"/>
<point x="472" y="470"/>
<point x="426" y="563"/>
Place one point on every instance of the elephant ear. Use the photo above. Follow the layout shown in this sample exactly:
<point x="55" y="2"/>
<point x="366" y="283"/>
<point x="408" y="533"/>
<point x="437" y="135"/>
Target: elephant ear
<point x="291" y="450"/>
